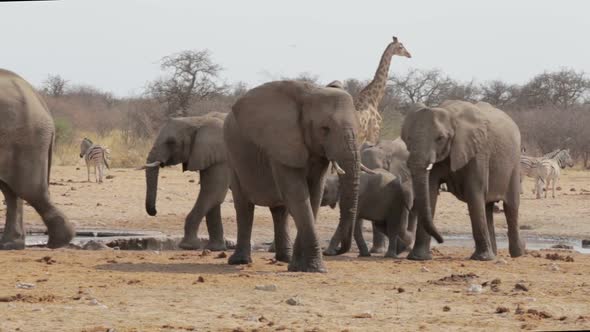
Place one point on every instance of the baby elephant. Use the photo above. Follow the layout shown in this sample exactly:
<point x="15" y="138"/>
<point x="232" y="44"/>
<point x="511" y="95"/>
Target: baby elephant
<point x="383" y="200"/>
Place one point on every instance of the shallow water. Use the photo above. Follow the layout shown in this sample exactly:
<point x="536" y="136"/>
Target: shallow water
<point x="532" y="243"/>
<point x="461" y="240"/>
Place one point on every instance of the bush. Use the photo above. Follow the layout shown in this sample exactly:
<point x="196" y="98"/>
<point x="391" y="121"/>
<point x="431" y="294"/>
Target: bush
<point x="64" y="132"/>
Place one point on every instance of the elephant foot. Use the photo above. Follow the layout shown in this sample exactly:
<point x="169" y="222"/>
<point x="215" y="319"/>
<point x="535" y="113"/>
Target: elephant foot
<point x="517" y="251"/>
<point x="239" y="258"/>
<point x="377" y="249"/>
<point x="216" y="245"/>
<point x="284" y="255"/>
<point x="307" y="265"/>
<point x="390" y="254"/>
<point x="364" y="253"/>
<point x="60" y="235"/>
<point x="272" y="247"/>
<point x="331" y="251"/>
<point x="192" y="243"/>
<point x="18" y="244"/>
<point x="419" y="255"/>
<point x="401" y="247"/>
<point x="483" y="256"/>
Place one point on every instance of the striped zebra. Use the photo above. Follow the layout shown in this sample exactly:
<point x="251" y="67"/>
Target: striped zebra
<point x="548" y="171"/>
<point x="528" y="165"/>
<point x="94" y="155"/>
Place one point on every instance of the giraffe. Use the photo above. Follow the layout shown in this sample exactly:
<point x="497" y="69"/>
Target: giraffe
<point x="368" y="100"/>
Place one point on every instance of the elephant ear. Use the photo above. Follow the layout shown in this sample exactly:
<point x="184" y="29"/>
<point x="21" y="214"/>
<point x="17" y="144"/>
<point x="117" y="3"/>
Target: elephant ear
<point x="270" y="116"/>
<point x="470" y="127"/>
<point x="207" y="147"/>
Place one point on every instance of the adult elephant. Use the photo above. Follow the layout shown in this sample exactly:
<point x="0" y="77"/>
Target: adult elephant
<point x="475" y="150"/>
<point x="27" y="136"/>
<point x="390" y="155"/>
<point x="281" y="137"/>
<point x="196" y="143"/>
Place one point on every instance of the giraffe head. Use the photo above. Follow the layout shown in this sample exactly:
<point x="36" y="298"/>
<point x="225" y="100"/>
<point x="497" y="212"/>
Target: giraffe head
<point x="399" y="49"/>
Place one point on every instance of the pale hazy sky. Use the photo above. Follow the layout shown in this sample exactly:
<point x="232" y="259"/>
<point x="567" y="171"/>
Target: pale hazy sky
<point x="115" y="45"/>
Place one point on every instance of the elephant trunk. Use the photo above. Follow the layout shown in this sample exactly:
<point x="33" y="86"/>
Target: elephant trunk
<point x="422" y="201"/>
<point x="349" y="191"/>
<point x="151" y="179"/>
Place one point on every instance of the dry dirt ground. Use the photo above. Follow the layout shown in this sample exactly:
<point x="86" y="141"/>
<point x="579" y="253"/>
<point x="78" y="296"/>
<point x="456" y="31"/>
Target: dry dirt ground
<point x="184" y="291"/>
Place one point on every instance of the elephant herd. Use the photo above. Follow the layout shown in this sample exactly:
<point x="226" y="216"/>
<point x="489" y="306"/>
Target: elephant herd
<point x="276" y="149"/>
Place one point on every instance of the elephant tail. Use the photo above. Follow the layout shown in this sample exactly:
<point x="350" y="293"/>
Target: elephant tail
<point x="50" y="156"/>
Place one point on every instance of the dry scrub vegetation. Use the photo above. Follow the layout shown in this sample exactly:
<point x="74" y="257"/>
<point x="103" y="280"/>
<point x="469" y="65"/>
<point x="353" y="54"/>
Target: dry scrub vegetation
<point x="552" y="109"/>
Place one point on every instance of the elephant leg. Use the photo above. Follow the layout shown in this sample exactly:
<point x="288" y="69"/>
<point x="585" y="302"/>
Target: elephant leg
<point x="491" y="228"/>
<point x="282" y="241"/>
<point x="404" y="237"/>
<point x="516" y="246"/>
<point x="360" y="240"/>
<point x="421" y="249"/>
<point x="291" y="182"/>
<point x="479" y="226"/>
<point x="190" y="240"/>
<point x="60" y="231"/>
<point x="211" y="195"/>
<point x="244" y="217"/>
<point x="13" y="237"/>
<point x="394" y="239"/>
<point x="379" y="241"/>
<point x="215" y="229"/>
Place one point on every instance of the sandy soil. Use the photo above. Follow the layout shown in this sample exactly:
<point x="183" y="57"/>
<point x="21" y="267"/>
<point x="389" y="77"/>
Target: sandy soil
<point x="160" y="291"/>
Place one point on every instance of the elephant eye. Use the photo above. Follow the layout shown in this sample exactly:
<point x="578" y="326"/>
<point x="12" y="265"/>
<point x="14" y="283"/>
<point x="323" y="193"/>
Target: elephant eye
<point x="325" y="130"/>
<point x="440" y="138"/>
<point x="169" y="141"/>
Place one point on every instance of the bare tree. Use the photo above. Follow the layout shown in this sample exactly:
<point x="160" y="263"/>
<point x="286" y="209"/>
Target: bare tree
<point x="562" y="89"/>
<point x="304" y="77"/>
<point x="426" y="86"/>
<point x="191" y="76"/>
<point x="54" y="85"/>
<point x="499" y="93"/>
<point x="469" y="91"/>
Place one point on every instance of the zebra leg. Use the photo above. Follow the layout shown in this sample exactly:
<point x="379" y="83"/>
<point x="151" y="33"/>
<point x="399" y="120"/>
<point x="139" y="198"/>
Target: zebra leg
<point x="491" y="229"/>
<point x="88" y="169"/>
<point x="13" y="237"/>
<point x="100" y="169"/>
<point x="553" y="187"/>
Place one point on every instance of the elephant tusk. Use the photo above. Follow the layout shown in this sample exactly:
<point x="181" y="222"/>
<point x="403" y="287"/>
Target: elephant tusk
<point x="154" y="164"/>
<point x="429" y="167"/>
<point x="367" y="170"/>
<point x="337" y="168"/>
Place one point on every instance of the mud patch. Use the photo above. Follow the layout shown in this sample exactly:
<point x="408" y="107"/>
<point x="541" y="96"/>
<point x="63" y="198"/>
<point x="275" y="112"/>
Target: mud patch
<point x="454" y="279"/>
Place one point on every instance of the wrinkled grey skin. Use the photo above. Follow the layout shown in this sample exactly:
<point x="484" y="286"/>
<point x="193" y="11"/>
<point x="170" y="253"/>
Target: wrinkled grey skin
<point x="383" y="200"/>
<point x="390" y="155"/>
<point x="27" y="136"/>
<point x="475" y="150"/>
<point x="281" y="137"/>
<point x="197" y="144"/>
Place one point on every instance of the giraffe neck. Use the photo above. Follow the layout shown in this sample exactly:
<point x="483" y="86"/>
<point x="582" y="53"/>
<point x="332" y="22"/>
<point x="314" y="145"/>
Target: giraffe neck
<point x="371" y="95"/>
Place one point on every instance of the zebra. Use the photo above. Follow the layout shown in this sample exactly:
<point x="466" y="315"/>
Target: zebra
<point x="528" y="165"/>
<point x="94" y="155"/>
<point x="548" y="171"/>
